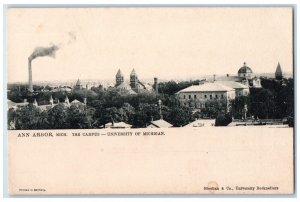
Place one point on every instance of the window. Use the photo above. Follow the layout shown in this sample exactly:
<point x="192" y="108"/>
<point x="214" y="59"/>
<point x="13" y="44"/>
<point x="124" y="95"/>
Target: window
<point x="183" y="96"/>
<point x="222" y="96"/>
<point x="216" y="96"/>
<point x="205" y="96"/>
<point x="189" y="96"/>
<point x="195" y="96"/>
<point x="210" y="96"/>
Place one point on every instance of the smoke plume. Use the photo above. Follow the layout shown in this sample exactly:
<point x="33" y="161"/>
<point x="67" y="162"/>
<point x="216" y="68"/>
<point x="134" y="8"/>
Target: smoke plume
<point x="43" y="51"/>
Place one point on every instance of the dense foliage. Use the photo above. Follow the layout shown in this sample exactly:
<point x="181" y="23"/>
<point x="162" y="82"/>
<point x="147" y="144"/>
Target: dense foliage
<point x="274" y="101"/>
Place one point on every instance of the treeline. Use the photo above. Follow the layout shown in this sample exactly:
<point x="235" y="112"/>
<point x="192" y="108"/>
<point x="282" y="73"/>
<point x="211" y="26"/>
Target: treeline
<point x="275" y="100"/>
<point x="98" y="113"/>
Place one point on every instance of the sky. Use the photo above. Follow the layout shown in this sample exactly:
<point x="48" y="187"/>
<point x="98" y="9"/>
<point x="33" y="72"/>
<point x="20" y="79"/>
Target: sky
<point x="167" y="43"/>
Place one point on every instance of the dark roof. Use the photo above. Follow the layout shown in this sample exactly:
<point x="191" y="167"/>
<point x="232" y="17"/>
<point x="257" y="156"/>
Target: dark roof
<point x="278" y="71"/>
<point x="133" y="73"/>
<point x="245" y="69"/>
<point x="78" y="83"/>
<point x="119" y="73"/>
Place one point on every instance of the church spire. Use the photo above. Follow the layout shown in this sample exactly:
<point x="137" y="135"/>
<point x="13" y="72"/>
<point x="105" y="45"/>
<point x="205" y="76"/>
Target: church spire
<point x="119" y="73"/>
<point x="278" y="72"/>
<point x="119" y="78"/>
<point x="134" y="81"/>
<point x="133" y="72"/>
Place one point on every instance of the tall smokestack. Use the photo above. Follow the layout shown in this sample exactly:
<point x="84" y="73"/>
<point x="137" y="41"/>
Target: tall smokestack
<point x="39" y="52"/>
<point x="155" y="85"/>
<point x="30" y="76"/>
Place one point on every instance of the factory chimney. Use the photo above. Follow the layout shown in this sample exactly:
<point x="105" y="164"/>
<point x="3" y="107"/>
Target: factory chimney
<point x="155" y="85"/>
<point x="30" y="76"/>
<point x="39" y="52"/>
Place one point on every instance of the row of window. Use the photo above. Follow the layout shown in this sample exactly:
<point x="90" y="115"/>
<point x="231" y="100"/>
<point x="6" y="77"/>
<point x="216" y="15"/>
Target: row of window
<point x="205" y="96"/>
<point x="197" y="105"/>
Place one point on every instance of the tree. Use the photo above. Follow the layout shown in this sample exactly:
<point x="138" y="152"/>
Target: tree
<point x="213" y="108"/>
<point x="237" y="106"/>
<point x="27" y="118"/>
<point x="144" y="114"/>
<point x="43" y="122"/>
<point x="262" y="104"/>
<point x="223" y="120"/>
<point x="128" y="112"/>
<point x="77" y="117"/>
<point x="57" y="117"/>
<point x="179" y="116"/>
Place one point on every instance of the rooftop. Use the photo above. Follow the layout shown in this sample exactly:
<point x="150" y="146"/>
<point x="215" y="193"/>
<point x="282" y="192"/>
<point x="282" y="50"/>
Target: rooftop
<point x="207" y="87"/>
<point x="278" y="70"/>
<point x="119" y="73"/>
<point x="161" y="123"/>
<point x="118" y="125"/>
<point x="233" y="84"/>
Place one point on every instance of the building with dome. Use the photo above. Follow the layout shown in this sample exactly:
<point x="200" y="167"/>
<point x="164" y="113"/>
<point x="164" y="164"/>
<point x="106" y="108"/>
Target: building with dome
<point x="222" y="89"/>
<point x="245" y="76"/>
<point x="245" y="72"/>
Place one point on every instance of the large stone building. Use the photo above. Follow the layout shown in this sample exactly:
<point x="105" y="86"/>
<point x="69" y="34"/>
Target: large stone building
<point x="197" y="96"/>
<point x="134" y="86"/>
<point x="222" y="89"/>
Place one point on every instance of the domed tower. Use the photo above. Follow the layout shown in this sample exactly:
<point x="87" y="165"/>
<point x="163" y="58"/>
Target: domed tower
<point x="134" y="82"/>
<point x="119" y="78"/>
<point x="245" y="72"/>
<point x="278" y="72"/>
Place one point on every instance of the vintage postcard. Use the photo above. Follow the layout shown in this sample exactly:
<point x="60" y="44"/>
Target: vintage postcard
<point x="150" y="100"/>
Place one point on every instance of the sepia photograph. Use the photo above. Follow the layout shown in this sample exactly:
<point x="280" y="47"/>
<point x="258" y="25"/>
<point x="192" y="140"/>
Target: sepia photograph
<point x="159" y="86"/>
<point x="191" y="69"/>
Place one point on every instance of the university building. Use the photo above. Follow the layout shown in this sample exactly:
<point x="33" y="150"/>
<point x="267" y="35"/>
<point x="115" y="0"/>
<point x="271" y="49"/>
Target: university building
<point x="222" y="89"/>
<point x="134" y="86"/>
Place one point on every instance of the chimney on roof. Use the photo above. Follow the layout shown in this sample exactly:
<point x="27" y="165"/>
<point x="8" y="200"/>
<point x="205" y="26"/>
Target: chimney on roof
<point x="214" y="78"/>
<point x="227" y="75"/>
